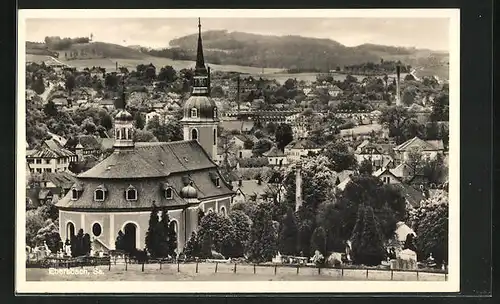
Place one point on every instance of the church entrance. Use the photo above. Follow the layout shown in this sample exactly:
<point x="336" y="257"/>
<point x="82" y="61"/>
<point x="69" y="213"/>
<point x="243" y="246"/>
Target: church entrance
<point x="70" y="230"/>
<point x="130" y="237"/>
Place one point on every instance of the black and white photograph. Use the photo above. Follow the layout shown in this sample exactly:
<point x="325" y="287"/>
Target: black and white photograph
<point x="238" y="151"/>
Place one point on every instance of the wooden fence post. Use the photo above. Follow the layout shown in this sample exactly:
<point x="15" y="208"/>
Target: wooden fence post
<point x="234" y="268"/>
<point x="367" y="273"/>
<point x="446" y="276"/>
<point x="142" y="266"/>
<point x="342" y="271"/>
<point x="109" y="267"/>
<point x="417" y="275"/>
<point x="126" y="264"/>
<point x="216" y="265"/>
<point x="196" y="266"/>
<point x="392" y="274"/>
<point x="160" y="264"/>
<point x="253" y="268"/>
<point x="275" y="268"/>
<point x="297" y="269"/>
<point x="178" y="269"/>
<point x="319" y="270"/>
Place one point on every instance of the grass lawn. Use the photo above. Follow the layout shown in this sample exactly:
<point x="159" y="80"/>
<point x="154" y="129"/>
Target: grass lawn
<point x="225" y="272"/>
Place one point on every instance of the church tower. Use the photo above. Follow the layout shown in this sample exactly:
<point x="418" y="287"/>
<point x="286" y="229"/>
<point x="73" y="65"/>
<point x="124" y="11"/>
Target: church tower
<point x="200" y="111"/>
<point x="124" y="127"/>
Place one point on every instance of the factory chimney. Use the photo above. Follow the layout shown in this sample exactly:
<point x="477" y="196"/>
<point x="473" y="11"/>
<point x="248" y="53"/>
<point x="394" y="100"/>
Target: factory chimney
<point x="298" y="186"/>
<point x="238" y="92"/>
<point x="398" y="77"/>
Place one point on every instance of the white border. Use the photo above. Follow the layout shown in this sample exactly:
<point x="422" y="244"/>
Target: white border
<point x="452" y="285"/>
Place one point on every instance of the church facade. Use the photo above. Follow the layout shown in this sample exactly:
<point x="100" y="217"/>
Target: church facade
<point x="181" y="177"/>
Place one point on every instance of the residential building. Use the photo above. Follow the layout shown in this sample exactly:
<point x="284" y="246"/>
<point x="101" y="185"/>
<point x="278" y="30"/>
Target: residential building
<point x="430" y="149"/>
<point x="300" y="148"/>
<point x="50" y="157"/>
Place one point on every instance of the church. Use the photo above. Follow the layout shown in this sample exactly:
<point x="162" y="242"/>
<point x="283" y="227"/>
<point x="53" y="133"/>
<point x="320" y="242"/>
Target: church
<point x="118" y="193"/>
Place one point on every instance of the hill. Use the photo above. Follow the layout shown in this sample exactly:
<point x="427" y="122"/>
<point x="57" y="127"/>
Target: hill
<point x="293" y="52"/>
<point x="90" y="50"/>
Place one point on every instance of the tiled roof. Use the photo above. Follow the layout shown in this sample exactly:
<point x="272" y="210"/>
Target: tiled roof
<point x="106" y="102"/>
<point x="158" y="159"/>
<point x="60" y="179"/>
<point x="50" y="149"/>
<point x="149" y="190"/>
<point x="412" y="195"/>
<point x="419" y="143"/>
<point x="89" y="142"/>
<point x="302" y="144"/>
<point x="251" y="187"/>
<point x="274" y="152"/>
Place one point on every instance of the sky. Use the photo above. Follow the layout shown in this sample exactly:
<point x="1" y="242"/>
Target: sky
<point x="428" y="33"/>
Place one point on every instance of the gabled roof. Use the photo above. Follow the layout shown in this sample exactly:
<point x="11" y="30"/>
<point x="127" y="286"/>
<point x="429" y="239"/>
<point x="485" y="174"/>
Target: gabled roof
<point x="381" y="171"/>
<point x="60" y="179"/>
<point x="302" y="144"/>
<point x="158" y="159"/>
<point x="50" y="149"/>
<point x="412" y="195"/>
<point x="421" y="144"/>
<point x="251" y="187"/>
<point x="106" y="102"/>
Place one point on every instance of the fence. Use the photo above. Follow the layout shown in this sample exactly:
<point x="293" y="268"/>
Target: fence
<point x="208" y="268"/>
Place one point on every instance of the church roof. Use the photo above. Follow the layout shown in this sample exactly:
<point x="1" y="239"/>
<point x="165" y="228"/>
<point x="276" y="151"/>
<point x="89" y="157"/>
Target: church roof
<point x="149" y="190"/>
<point x="158" y="159"/>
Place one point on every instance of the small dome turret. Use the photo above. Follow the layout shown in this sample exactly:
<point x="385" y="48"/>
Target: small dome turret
<point x="189" y="192"/>
<point x="123" y="115"/>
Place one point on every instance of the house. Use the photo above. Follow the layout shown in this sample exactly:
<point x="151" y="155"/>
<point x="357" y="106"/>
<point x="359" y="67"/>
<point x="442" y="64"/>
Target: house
<point x="108" y="104"/>
<point x="243" y="126"/>
<point x="340" y="177"/>
<point x="335" y="91"/>
<point x="86" y="145"/>
<point x="300" y="148"/>
<point x="276" y="157"/>
<point x="59" y="139"/>
<point x="413" y="196"/>
<point x="256" y="191"/>
<point x="370" y="151"/>
<point x="151" y="115"/>
<point x="60" y="102"/>
<point x="50" y="157"/>
<point x="158" y="106"/>
<point x="430" y="149"/>
<point x="240" y="139"/>
<point x="387" y="176"/>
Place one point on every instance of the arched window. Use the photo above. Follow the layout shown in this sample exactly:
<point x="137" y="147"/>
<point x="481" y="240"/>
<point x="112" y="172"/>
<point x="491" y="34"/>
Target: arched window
<point x="118" y="133"/>
<point x="194" y="134"/>
<point x="96" y="229"/>
<point x="174" y="225"/>
<point x="194" y="112"/>
<point x="223" y="210"/>
<point x="131" y="193"/>
<point x="168" y="193"/>
<point x="215" y="136"/>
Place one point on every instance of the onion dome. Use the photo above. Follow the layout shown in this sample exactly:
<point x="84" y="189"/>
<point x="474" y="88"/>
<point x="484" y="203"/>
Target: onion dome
<point x="189" y="192"/>
<point x="123" y="115"/>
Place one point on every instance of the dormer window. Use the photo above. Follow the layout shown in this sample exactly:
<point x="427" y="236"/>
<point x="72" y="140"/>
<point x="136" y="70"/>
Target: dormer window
<point x="217" y="182"/>
<point x="194" y="113"/>
<point x="168" y="193"/>
<point x="74" y="194"/>
<point x="100" y="193"/>
<point x="131" y="193"/>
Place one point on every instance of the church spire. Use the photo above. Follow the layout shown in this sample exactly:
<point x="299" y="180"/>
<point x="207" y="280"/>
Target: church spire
<point x="201" y="84"/>
<point x="200" y="60"/>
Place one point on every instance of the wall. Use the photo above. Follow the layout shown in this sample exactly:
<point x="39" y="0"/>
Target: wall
<point x="112" y="222"/>
<point x="205" y="137"/>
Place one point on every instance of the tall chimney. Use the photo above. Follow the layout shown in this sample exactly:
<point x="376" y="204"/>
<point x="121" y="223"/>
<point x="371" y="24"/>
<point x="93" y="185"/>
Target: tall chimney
<point x="238" y="92"/>
<point x="398" y="76"/>
<point x="116" y="65"/>
<point x="298" y="186"/>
